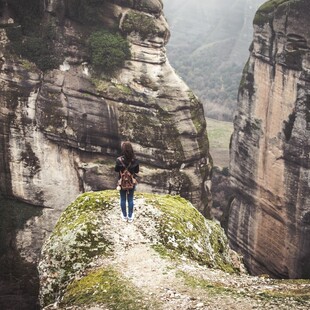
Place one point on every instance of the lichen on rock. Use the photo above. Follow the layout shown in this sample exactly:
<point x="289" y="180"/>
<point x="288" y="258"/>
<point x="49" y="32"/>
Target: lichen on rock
<point x="184" y="231"/>
<point x="105" y="286"/>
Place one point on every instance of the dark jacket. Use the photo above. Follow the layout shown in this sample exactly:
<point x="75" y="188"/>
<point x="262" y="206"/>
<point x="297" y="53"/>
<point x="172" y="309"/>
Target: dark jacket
<point x="133" y="168"/>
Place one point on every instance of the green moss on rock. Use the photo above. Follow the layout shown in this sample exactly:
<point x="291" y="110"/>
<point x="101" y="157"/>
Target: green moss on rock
<point x="185" y="231"/>
<point x="271" y="5"/>
<point x="301" y="293"/>
<point x="104" y="286"/>
<point x="76" y="239"/>
<point x="80" y="239"/>
<point x="212" y="288"/>
<point x="265" y="12"/>
<point x="104" y="86"/>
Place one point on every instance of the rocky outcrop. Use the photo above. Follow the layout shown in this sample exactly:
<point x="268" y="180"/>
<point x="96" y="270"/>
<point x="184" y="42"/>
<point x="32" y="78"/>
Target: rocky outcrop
<point x="169" y="257"/>
<point x="270" y="164"/>
<point x="91" y="235"/>
<point x="62" y="128"/>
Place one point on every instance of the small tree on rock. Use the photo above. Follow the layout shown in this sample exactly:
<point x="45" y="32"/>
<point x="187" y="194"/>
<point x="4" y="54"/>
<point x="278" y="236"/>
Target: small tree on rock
<point x="108" y="51"/>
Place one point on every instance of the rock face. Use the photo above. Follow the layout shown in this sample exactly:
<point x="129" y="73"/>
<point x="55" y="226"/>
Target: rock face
<point x="61" y="129"/>
<point x="90" y="236"/>
<point x="270" y="163"/>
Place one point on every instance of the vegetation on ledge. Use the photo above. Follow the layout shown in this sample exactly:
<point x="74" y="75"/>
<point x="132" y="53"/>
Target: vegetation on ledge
<point x="108" y="51"/>
<point x="262" y="16"/>
<point x="105" y="286"/>
<point x="33" y="38"/>
<point x="76" y="239"/>
<point x="139" y="23"/>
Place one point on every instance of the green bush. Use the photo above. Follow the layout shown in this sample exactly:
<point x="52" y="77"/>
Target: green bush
<point x="108" y="51"/>
<point x="31" y="38"/>
<point x="38" y="50"/>
<point x="140" y="23"/>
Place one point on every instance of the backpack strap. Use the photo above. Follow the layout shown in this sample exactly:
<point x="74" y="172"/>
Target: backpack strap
<point x="123" y="164"/>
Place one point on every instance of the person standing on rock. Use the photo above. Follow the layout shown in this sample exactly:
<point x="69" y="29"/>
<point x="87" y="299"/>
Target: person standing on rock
<point x="124" y="164"/>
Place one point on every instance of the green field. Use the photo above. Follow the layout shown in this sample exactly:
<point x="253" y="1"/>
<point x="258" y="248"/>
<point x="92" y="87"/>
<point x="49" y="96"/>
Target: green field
<point x="219" y="133"/>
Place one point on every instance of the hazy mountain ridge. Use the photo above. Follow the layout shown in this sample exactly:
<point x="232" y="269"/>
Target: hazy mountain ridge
<point x="209" y="48"/>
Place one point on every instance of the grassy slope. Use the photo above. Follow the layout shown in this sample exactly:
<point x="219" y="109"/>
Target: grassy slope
<point x="219" y="133"/>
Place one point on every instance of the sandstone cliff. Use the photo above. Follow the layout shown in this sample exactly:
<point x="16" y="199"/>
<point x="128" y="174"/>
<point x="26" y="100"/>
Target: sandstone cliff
<point x="63" y="120"/>
<point x="270" y="164"/>
<point x="62" y="126"/>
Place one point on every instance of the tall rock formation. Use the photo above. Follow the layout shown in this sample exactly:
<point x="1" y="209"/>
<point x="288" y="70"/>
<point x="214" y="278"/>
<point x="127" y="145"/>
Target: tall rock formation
<point x="62" y="128"/>
<point x="270" y="165"/>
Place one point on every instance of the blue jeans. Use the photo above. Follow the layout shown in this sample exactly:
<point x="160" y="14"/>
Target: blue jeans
<point x="129" y="194"/>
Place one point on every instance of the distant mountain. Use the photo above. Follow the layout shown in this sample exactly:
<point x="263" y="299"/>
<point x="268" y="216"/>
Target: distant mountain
<point x="209" y="48"/>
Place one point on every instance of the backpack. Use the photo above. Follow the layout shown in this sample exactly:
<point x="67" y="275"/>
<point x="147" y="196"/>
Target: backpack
<point x="126" y="181"/>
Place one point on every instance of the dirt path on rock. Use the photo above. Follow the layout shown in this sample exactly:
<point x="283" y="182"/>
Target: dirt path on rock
<point x="136" y="259"/>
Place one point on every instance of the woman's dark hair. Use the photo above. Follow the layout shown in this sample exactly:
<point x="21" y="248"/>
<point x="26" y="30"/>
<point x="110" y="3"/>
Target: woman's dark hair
<point x="127" y="151"/>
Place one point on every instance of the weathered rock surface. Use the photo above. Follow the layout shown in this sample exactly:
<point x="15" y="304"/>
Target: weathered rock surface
<point x="270" y="151"/>
<point x="62" y="129"/>
<point x="94" y="260"/>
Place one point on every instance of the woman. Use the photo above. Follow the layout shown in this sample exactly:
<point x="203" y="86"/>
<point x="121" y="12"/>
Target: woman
<point x="129" y="162"/>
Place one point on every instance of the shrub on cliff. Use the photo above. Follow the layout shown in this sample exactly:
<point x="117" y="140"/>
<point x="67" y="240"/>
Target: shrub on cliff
<point x="39" y="51"/>
<point x="31" y="38"/>
<point x="139" y="23"/>
<point x="108" y="51"/>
